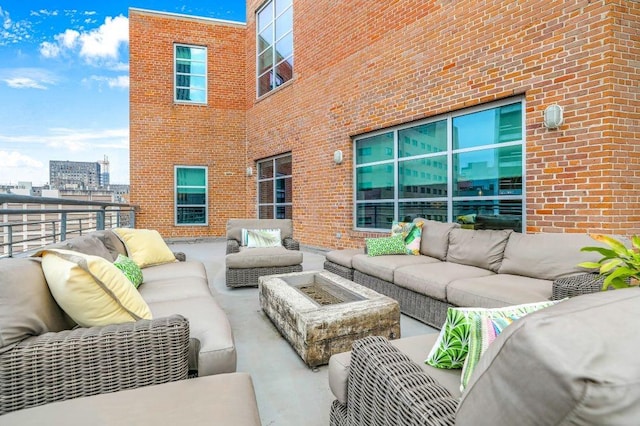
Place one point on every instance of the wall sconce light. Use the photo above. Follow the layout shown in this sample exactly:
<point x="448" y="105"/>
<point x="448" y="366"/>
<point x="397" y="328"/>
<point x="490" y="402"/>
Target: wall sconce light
<point x="337" y="157"/>
<point x="249" y="171"/>
<point x="553" y="116"/>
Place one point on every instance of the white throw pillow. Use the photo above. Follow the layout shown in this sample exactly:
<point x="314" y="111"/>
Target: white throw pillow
<point x="261" y="237"/>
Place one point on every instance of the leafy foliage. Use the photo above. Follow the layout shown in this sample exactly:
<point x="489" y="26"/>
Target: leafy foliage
<point x="620" y="264"/>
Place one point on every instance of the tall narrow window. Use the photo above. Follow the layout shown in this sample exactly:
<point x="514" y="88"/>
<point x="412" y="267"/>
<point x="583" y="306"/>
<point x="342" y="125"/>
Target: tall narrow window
<point x="191" y="195"/>
<point x="274" y="46"/>
<point x="275" y="189"/>
<point x="464" y="167"/>
<point x="190" y="74"/>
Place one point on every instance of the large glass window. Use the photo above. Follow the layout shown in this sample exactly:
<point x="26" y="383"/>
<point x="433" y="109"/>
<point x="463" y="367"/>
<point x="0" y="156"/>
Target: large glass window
<point x="274" y="45"/>
<point x="275" y="188"/>
<point x="190" y="74"/>
<point x="191" y="195"/>
<point x="465" y="166"/>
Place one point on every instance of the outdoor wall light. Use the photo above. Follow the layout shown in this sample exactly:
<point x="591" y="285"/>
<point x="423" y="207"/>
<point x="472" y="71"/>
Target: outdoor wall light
<point x="249" y="171"/>
<point x="337" y="157"/>
<point x="553" y="116"/>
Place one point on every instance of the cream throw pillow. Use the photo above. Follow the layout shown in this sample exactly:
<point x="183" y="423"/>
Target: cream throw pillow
<point x="145" y="246"/>
<point x="91" y="290"/>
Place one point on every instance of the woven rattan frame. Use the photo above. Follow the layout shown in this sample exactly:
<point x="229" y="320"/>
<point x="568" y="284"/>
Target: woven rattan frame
<point x="343" y="271"/>
<point x="386" y="388"/>
<point x="576" y="285"/>
<point x="423" y="308"/>
<point x="248" y="277"/>
<point x="89" y="361"/>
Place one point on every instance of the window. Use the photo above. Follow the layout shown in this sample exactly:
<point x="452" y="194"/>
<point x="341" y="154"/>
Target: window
<point x="464" y="163"/>
<point x="274" y="45"/>
<point x="191" y="195"/>
<point x="190" y="74"/>
<point x="275" y="188"/>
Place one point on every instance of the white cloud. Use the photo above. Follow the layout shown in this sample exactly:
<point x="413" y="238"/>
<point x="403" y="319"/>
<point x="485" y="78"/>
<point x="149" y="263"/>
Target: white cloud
<point x="13" y="32"/>
<point x="121" y="81"/>
<point x="14" y="159"/>
<point x="74" y="139"/>
<point x="98" y="46"/>
<point x="28" y="78"/>
<point x="15" y="167"/>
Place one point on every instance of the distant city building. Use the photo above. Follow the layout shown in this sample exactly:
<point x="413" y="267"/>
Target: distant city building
<point x="104" y="172"/>
<point x="74" y="175"/>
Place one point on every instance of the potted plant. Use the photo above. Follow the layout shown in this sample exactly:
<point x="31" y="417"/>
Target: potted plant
<point x="620" y="265"/>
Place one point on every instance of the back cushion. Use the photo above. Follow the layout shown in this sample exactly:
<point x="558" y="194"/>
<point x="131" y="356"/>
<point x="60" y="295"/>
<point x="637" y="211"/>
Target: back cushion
<point x="481" y="248"/>
<point x="572" y="363"/>
<point x="111" y="242"/>
<point x="435" y="237"/>
<point x="546" y="256"/>
<point x="235" y="226"/>
<point x="87" y="244"/>
<point x="27" y="307"/>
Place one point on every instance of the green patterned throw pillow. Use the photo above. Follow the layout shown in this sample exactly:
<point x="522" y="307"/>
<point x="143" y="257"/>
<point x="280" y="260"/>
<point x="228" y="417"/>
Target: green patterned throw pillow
<point x="452" y="346"/>
<point x="385" y="245"/>
<point x="130" y="269"/>
<point x="411" y="233"/>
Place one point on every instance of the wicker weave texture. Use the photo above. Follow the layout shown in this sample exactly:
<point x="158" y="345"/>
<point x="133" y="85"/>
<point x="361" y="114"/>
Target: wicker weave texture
<point x="386" y="388"/>
<point x="343" y="271"/>
<point x="248" y="277"/>
<point x="576" y="285"/>
<point x="423" y="308"/>
<point x="89" y="361"/>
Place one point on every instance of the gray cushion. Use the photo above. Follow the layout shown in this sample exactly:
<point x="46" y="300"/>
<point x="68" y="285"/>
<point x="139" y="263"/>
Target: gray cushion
<point x="175" y="271"/>
<point x="498" y="290"/>
<point x="263" y="258"/>
<point x="432" y="279"/>
<point x="211" y="347"/>
<point x="87" y="244"/>
<point x="223" y="399"/>
<point x="576" y="363"/>
<point x="435" y="238"/>
<point x="111" y="242"/>
<point x="235" y="226"/>
<point x="480" y="248"/>
<point x="546" y="256"/>
<point x="26" y="305"/>
<point x="383" y="266"/>
<point x="343" y="257"/>
<point x="159" y="290"/>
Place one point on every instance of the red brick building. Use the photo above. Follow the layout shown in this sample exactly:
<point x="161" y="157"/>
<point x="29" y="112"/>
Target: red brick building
<point x="437" y="108"/>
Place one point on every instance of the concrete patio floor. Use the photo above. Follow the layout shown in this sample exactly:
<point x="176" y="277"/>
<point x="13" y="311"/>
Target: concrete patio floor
<point x="288" y="392"/>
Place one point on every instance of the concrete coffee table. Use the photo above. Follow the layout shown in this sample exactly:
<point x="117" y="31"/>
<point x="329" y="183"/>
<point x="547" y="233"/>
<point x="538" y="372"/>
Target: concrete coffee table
<point x="321" y="313"/>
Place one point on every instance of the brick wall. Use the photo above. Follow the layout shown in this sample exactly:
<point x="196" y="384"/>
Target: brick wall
<point x="386" y="63"/>
<point x="364" y="65"/>
<point x="164" y="134"/>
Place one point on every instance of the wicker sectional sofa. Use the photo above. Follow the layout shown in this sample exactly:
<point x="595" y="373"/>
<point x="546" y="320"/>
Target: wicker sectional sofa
<point x="46" y="357"/>
<point x="473" y="268"/>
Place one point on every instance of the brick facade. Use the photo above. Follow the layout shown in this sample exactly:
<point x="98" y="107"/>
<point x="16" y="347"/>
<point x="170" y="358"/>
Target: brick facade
<point x="367" y="65"/>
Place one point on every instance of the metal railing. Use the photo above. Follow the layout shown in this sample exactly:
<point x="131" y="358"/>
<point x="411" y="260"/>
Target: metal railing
<point x="27" y="224"/>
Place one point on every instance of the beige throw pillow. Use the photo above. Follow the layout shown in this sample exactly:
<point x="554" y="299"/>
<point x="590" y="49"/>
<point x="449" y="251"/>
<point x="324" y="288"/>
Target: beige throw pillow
<point x="91" y="290"/>
<point x="145" y="246"/>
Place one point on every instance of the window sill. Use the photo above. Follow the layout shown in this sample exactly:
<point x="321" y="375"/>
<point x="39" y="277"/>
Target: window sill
<point x="276" y="90"/>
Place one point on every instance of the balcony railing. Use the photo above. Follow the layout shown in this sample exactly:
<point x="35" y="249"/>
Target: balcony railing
<point x="28" y="223"/>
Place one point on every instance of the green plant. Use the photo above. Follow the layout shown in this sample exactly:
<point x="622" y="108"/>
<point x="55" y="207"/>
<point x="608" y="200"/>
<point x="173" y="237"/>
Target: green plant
<point x="620" y="264"/>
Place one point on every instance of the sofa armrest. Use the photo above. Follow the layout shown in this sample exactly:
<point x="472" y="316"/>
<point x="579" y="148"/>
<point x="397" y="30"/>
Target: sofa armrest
<point x="89" y="361"/>
<point x="291" y="244"/>
<point x="576" y="285"/>
<point x="386" y="387"/>
<point x="233" y="246"/>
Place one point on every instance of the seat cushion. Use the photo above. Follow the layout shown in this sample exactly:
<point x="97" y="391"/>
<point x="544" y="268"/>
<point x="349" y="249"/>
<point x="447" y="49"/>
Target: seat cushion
<point x="211" y="347"/>
<point x="27" y="307"/>
<point x="254" y="257"/>
<point x="382" y="267"/>
<point x="576" y="363"/>
<point x="481" y="248"/>
<point x="432" y="279"/>
<point x="435" y="238"/>
<point x="415" y="347"/>
<point x="160" y="290"/>
<point x="498" y="290"/>
<point x="174" y="271"/>
<point x="343" y="257"/>
<point x="223" y="399"/>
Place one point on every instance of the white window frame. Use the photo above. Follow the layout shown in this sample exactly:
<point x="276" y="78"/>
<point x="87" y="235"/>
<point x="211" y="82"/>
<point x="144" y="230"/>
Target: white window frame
<point x="175" y="195"/>
<point x="450" y="199"/>
<point x="175" y="75"/>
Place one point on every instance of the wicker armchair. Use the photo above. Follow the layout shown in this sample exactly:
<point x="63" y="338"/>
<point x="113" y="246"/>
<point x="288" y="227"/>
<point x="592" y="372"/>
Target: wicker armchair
<point x="89" y="361"/>
<point x="244" y="266"/>
<point x="576" y="285"/>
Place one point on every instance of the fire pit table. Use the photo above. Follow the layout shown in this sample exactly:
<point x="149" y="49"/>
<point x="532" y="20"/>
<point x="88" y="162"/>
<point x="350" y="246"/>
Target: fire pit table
<point x="321" y="313"/>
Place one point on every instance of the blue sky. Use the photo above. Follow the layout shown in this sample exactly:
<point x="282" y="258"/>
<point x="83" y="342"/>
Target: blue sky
<point x="64" y="81"/>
